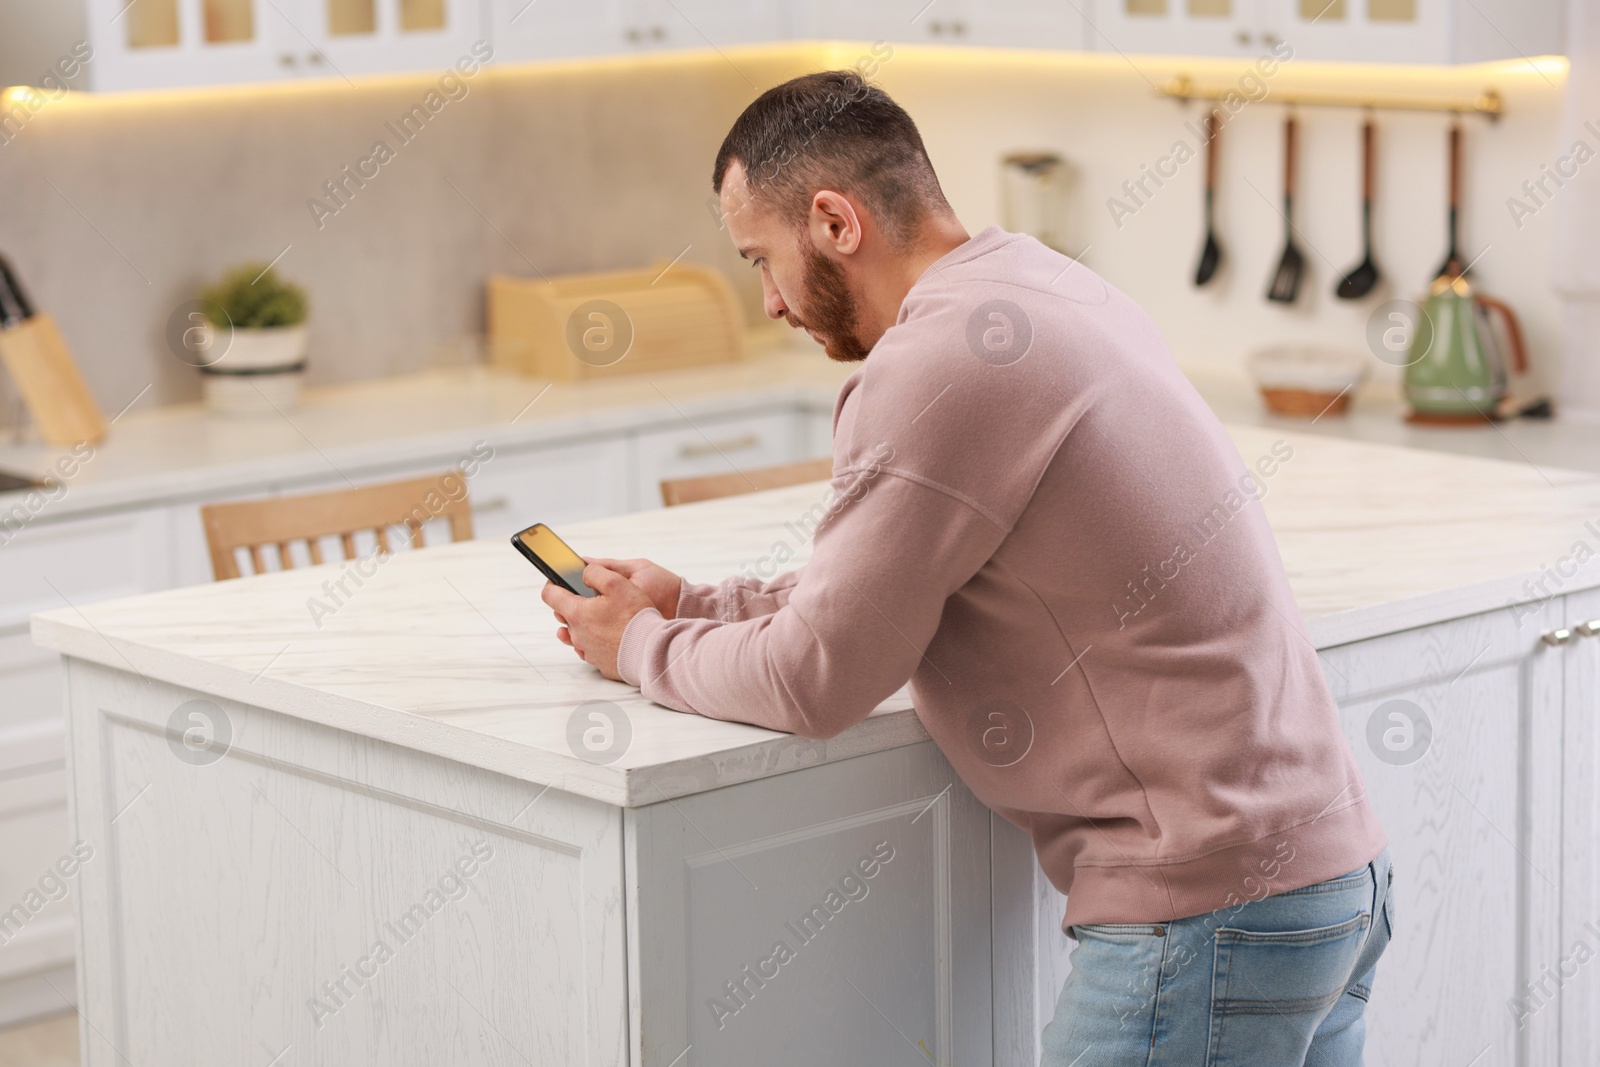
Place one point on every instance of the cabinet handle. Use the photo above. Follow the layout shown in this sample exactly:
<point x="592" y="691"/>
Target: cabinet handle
<point x="1557" y="638"/>
<point x="936" y="27"/>
<point x="314" y="58"/>
<point x="1244" y="37"/>
<point x="633" y="34"/>
<point x="958" y="28"/>
<point x="658" y="33"/>
<point x="499" y="503"/>
<point x="288" y="60"/>
<point x="712" y="448"/>
<point x="1270" y="40"/>
<point x="1588" y="629"/>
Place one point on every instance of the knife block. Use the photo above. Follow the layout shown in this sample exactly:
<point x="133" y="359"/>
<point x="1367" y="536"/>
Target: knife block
<point x="39" y="361"/>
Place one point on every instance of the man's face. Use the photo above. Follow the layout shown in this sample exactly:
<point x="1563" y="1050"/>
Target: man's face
<point x="798" y="281"/>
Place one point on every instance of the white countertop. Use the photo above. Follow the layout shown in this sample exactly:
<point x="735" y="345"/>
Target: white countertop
<point x="186" y="452"/>
<point x="450" y="650"/>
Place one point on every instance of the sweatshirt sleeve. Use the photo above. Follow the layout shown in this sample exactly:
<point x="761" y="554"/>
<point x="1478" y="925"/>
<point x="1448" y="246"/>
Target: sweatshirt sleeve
<point x="737" y="599"/>
<point x="852" y="629"/>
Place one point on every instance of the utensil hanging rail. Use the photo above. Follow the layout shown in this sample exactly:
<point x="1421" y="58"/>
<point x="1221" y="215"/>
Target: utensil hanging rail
<point x="1489" y="103"/>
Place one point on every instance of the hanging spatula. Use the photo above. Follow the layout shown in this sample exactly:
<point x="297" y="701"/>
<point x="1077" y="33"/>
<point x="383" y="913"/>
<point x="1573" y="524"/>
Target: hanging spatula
<point x="1211" y="255"/>
<point x="1364" y="278"/>
<point x="1292" y="266"/>
<point x="1454" y="265"/>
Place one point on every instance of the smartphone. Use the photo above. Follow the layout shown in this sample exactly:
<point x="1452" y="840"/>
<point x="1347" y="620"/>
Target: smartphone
<point x="552" y="556"/>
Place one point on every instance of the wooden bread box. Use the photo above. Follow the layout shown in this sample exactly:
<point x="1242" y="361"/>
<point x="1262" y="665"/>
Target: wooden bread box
<point x="585" y="326"/>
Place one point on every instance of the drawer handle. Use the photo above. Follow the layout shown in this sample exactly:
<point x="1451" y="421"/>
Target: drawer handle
<point x="712" y="448"/>
<point x="499" y="503"/>
<point x="1557" y="638"/>
<point x="1588" y="629"/>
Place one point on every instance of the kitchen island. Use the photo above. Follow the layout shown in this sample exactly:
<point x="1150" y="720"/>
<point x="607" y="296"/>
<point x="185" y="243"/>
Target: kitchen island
<point x="416" y="829"/>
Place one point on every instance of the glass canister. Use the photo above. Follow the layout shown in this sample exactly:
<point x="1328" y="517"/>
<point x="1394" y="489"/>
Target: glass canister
<point x="1036" y="196"/>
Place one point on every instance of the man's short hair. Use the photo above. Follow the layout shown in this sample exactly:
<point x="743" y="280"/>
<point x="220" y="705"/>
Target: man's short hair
<point x="834" y="130"/>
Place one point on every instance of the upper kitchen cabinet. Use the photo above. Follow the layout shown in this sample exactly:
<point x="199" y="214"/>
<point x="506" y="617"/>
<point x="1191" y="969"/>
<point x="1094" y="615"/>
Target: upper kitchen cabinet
<point x="164" y="43"/>
<point x="1002" y="23"/>
<point x="1384" y="31"/>
<point x="554" y="29"/>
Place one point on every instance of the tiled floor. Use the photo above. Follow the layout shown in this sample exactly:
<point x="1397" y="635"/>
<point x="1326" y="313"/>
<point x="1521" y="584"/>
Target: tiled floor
<point x="47" y="1043"/>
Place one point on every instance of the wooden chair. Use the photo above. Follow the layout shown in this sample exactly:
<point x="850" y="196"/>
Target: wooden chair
<point x="281" y="522"/>
<point x="713" y="486"/>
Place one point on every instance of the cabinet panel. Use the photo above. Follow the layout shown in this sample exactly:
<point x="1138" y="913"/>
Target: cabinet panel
<point x="567" y="483"/>
<point x="1179" y="27"/>
<point x="1376" y="31"/>
<point x="1580" y="870"/>
<point x="712" y="446"/>
<point x="1456" y="728"/>
<point x="552" y="29"/>
<point x="307" y="889"/>
<point x="872" y="874"/>
<point x="159" y="43"/>
<point x="48" y="564"/>
<point x="375" y="36"/>
<point x="697" y="23"/>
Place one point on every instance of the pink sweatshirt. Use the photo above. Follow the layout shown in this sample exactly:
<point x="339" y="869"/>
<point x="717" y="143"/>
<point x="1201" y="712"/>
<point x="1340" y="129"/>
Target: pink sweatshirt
<point x="1037" y="522"/>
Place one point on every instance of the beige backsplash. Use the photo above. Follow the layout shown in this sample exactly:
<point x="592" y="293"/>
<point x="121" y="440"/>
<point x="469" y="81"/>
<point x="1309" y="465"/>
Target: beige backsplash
<point x="119" y="207"/>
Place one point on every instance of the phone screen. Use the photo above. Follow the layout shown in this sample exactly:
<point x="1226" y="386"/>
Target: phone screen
<point x="552" y="556"/>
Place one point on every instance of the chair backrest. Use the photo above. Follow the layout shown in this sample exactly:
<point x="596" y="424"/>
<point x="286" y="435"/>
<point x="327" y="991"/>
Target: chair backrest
<point x="712" y="486"/>
<point x="282" y="522"/>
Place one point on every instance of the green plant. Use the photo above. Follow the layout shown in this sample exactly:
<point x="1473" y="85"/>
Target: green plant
<point x="254" y="297"/>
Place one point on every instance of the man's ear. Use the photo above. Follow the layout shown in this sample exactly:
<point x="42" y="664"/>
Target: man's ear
<point x="834" y="223"/>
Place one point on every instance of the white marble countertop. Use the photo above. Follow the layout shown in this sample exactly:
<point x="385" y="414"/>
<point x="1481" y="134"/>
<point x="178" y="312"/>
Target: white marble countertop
<point x="450" y="650"/>
<point x="186" y="452"/>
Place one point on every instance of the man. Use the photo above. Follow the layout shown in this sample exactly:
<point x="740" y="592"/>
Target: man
<point x="1040" y="526"/>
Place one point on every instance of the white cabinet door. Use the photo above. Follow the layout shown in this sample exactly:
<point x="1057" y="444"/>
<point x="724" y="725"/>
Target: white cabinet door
<point x="554" y="29"/>
<point x="722" y="445"/>
<point x="872" y="874"/>
<point x="701" y="23"/>
<point x="160" y="43"/>
<point x="1178" y="27"/>
<point x="1457" y="728"/>
<point x="1026" y="24"/>
<point x="376" y="36"/>
<point x="882" y="20"/>
<point x="555" y="485"/>
<point x="1375" y="31"/>
<point x="1580" y="868"/>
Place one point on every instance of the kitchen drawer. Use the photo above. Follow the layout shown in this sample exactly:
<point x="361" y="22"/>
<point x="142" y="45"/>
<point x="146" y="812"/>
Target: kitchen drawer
<point x="36" y="835"/>
<point x="30" y="692"/>
<point x="714" y="446"/>
<point x="559" y="484"/>
<point x="56" y="564"/>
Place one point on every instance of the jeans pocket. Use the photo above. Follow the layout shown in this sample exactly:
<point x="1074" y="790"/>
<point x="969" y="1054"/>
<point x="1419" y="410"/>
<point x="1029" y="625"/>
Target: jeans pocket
<point x="1271" y="990"/>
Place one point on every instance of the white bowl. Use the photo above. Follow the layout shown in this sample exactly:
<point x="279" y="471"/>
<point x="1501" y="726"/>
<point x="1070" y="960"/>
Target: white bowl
<point x="1307" y="368"/>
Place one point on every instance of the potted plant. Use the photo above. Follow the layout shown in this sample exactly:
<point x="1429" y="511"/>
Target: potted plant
<point x="256" y="351"/>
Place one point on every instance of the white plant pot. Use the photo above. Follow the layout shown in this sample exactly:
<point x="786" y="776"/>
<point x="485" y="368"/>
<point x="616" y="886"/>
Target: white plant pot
<point x="260" y="372"/>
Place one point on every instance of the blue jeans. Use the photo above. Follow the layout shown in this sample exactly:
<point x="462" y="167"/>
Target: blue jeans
<point x="1279" y="981"/>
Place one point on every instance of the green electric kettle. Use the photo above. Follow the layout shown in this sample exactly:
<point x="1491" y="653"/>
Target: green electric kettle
<point x="1457" y="371"/>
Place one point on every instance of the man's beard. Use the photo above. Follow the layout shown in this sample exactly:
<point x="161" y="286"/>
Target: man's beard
<point x="831" y="311"/>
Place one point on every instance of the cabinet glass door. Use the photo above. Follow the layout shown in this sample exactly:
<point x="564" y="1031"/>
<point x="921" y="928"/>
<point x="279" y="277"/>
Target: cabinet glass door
<point x="159" y="43"/>
<point x="1178" y="27"/>
<point x="350" y="37"/>
<point x="1377" y="31"/>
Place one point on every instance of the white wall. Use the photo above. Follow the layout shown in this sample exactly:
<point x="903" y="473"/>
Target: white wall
<point x="131" y="201"/>
<point x="1104" y="114"/>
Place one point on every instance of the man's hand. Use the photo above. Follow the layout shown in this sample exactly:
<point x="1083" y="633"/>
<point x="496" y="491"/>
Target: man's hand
<point x="593" y="626"/>
<point x="659" y="584"/>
